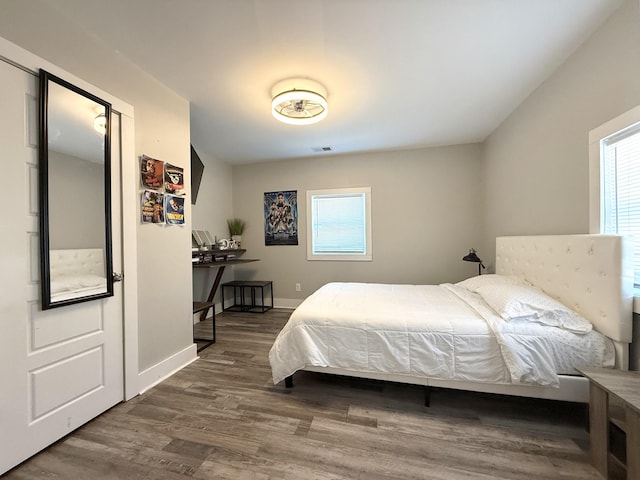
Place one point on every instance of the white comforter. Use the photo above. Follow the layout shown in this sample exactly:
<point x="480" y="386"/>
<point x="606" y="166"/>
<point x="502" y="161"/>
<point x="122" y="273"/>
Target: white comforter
<point x="435" y="331"/>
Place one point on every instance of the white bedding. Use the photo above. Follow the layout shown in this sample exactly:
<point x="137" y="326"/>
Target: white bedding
<point x="435" y="331"/>
<point x="65" y="287"/>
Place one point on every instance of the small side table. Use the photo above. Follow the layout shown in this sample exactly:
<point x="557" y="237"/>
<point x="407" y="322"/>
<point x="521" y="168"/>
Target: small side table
<point x="606" y="384"/>
<point x="240" y="301"/>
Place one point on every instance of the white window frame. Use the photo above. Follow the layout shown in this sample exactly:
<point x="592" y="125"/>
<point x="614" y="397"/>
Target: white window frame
<point x="629" y="119"/>
<point x="621" y="122"/>
<point x="350" y="257"/>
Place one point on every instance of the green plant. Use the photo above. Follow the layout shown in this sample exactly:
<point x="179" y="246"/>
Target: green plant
<point x="236" y="226"/>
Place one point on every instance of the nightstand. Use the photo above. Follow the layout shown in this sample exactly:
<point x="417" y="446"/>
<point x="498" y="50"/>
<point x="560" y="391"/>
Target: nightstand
<point x="606" y="388"/>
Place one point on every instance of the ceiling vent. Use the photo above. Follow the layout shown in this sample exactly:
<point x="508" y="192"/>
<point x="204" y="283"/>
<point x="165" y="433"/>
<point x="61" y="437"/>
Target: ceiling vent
<point x="322" y="149"/>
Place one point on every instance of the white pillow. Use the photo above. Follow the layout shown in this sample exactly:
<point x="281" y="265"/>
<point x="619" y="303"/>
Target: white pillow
<point x="474" y="283"/>
<point x="528" y="303"/>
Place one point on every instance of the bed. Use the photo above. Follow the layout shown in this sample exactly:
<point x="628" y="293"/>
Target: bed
<point x="77" y="272"/>
<point x="456" y="335"/>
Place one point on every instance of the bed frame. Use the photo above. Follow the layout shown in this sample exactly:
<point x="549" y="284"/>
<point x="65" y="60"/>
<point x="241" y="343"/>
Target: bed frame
<point x="592" y="274"/>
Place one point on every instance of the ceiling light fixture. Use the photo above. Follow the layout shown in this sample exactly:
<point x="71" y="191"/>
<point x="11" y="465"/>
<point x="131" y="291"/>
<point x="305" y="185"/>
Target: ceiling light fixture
<point x="298" y="101"/>
<point x="100" y="124"/>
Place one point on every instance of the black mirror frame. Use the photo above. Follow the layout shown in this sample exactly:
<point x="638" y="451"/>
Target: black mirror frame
<point x="43" y="190"/>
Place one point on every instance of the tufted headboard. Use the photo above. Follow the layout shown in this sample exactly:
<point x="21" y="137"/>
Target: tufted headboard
<point x="592" y="274"/>
<point x="80" y="261"/>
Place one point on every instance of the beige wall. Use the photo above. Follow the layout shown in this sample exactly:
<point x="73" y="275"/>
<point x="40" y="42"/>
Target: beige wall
<point x="536" y="164"/>
<point x="213" y="207"/>
<point x="425" y="206"/>
<point x="161" y="131"/>
<point x="76" y="187"/>
<point x="429" y="206"/>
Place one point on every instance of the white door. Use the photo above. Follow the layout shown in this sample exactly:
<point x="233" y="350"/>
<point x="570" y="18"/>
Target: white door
<point x="59" y="368"/>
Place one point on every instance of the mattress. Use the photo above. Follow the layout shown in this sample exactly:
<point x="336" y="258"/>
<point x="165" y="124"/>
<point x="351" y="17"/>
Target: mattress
<point x="66" y="287"/>
<point x="432" y="331"/>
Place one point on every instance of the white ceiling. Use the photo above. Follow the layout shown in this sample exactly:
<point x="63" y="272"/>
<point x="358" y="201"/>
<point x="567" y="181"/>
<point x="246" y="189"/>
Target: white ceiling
<point x="399" y="73"/>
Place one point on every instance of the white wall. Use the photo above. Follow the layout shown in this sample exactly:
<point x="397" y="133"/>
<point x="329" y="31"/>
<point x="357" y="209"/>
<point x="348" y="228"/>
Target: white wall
<point x="213" y="207"/>
<point x="162" y="131"/>
<point x="214" y="202"/>
<point x="426" y="208"/>
<point x="76" y="186"/>
<point x="529" y="177"/>
<point x="536" y="164"/>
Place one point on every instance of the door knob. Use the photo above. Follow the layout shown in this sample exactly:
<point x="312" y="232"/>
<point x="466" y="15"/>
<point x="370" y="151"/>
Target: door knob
<point x="118" y="277"/>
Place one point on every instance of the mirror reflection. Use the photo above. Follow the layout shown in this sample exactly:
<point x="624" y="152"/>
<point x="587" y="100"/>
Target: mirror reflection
<point x="75" y="194"/>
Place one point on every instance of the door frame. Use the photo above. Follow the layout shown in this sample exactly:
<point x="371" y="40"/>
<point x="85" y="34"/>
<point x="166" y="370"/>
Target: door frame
<point x="31" y="63"/>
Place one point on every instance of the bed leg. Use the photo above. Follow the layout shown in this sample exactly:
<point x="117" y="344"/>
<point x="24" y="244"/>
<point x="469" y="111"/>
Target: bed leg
<point x="427" y="396"/>
<point x="288" y="382"/>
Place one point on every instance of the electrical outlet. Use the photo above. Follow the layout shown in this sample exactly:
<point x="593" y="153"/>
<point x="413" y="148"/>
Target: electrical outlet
<point x="297" y="287"/>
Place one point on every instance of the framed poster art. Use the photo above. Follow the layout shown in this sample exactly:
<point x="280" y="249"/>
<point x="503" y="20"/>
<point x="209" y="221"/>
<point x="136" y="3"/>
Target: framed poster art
<point x="281" y="217"/>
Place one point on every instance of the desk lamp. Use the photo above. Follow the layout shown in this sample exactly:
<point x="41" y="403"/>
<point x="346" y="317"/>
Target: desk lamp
<point x="473" y="257"/>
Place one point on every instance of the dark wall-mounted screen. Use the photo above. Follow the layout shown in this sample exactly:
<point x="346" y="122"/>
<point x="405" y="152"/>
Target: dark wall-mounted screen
<point x="197" y="169"/>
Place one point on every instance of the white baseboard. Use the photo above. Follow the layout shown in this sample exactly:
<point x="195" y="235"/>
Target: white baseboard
<point x="163" y="370"/>
<point x="286" y="302"/>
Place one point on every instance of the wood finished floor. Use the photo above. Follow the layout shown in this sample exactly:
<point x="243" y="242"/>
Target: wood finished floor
<point x="222" y="418"/>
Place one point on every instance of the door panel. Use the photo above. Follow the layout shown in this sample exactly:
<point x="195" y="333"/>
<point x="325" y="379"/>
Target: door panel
<point x="60" y="367"/>
<point x="49" y="388"/>
<point x="44" y="325"/>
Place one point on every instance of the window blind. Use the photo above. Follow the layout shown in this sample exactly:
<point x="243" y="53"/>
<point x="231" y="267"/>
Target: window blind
<point x="621" y="188"/>
<point x="339" y="224"/>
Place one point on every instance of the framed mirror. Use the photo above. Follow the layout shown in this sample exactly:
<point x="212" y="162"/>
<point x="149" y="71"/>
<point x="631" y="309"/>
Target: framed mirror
<point x="75" y="194"/>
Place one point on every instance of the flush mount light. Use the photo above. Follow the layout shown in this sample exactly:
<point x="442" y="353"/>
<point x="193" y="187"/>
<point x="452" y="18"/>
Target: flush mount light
<point x="299" y="101"/>
<point x="100" y="124"/>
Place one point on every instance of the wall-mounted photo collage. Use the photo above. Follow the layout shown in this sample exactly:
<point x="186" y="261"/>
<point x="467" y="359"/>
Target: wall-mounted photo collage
<point x="162" y="197"/>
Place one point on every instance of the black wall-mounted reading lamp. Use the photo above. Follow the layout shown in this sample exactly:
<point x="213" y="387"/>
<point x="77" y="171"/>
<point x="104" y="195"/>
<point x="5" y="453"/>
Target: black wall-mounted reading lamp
<point x="472" y="256"/>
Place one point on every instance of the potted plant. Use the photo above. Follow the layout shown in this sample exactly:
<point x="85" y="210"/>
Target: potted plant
<point x="236" y="228"/>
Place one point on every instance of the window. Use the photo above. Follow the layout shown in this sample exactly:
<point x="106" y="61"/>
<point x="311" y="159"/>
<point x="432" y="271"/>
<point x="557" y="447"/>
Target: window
<point x="339" y="224"/>
<point x="615" y="162"/>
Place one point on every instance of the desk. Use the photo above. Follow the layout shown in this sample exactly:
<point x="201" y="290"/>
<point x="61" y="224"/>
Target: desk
<point x="203" y="307"/>
<point x="623" y="386"/>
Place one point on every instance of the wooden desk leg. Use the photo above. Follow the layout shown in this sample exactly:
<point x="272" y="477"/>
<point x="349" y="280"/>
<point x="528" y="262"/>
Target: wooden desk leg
<point x="633" y="443"/>
<point x="599" y="427"/>
<point x="203" y="315"/>
<point x="212" y="292"/>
